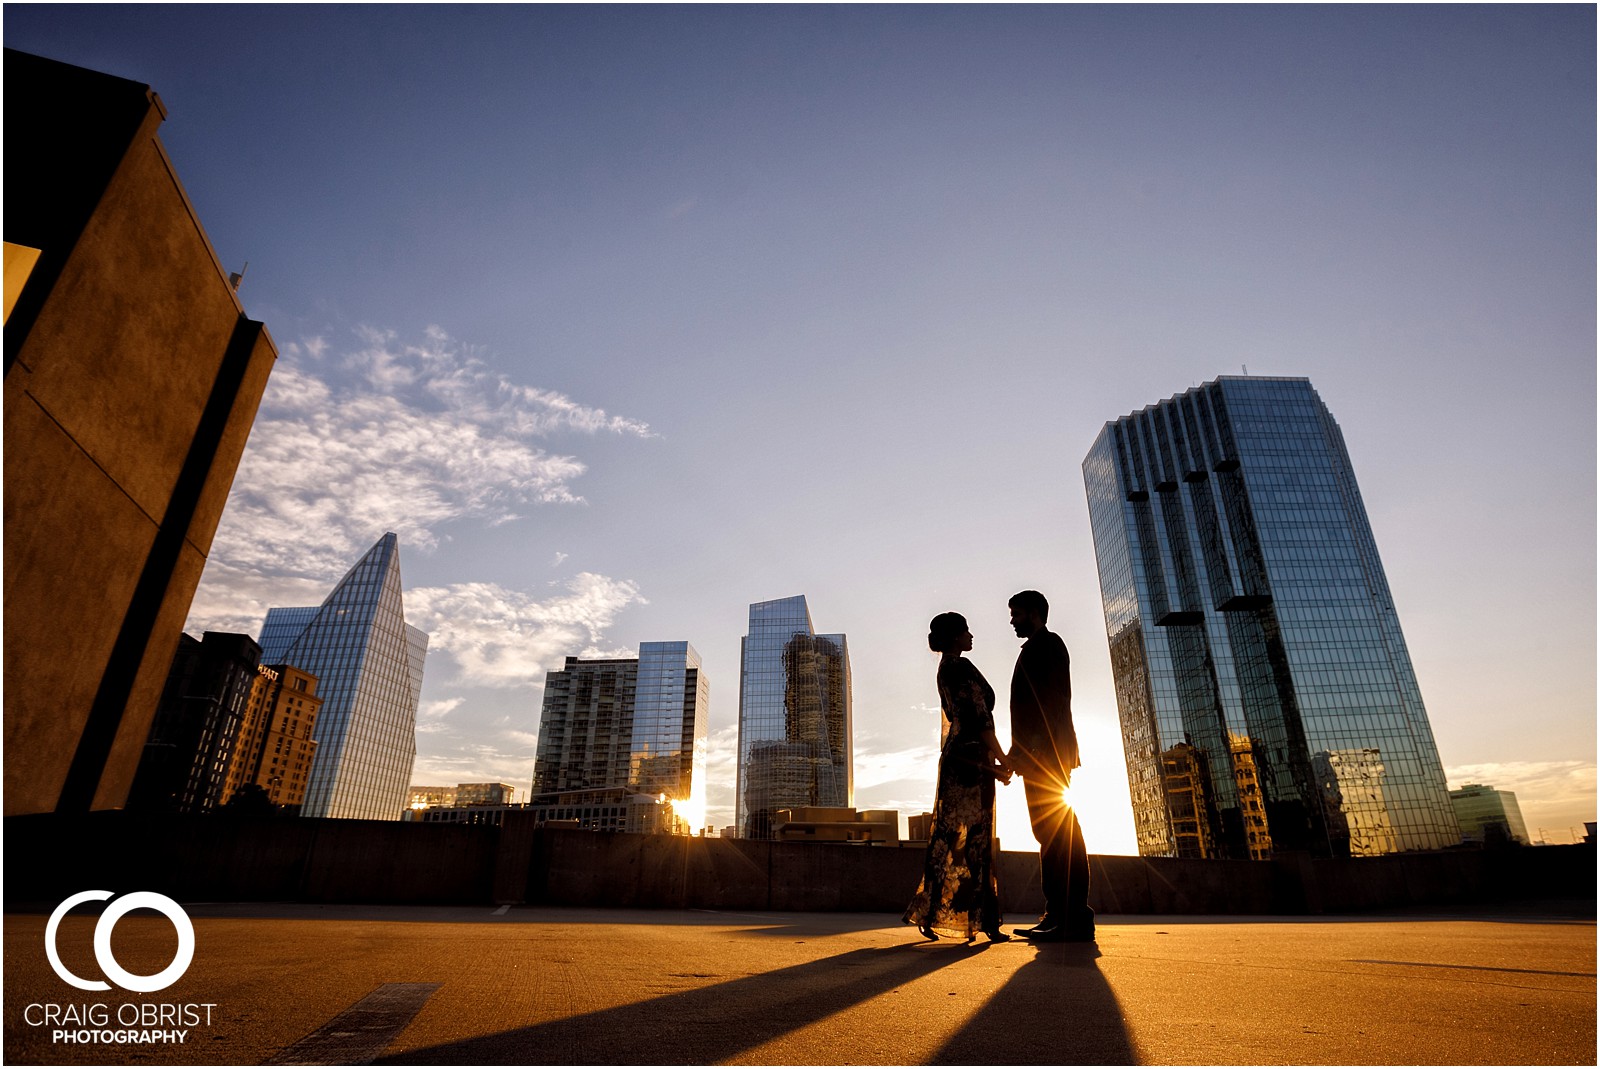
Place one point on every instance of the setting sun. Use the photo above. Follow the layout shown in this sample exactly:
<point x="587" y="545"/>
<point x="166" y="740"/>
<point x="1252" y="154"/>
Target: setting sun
<point x="1098" y="793"/>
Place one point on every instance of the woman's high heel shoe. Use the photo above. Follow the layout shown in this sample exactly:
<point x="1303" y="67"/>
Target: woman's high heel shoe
<point x="928" y="933"/>
<point x="997" y="936"/>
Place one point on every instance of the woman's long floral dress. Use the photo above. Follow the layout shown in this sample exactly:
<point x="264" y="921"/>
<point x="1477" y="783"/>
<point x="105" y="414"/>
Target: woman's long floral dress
<point x="959" y="894"/>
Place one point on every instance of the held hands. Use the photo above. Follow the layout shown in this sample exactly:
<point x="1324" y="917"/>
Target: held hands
<point x="1001" y="769"/>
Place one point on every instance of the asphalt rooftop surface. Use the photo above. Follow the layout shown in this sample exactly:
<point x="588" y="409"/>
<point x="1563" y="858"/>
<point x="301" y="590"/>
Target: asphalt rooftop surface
<point x="304" y="984"/>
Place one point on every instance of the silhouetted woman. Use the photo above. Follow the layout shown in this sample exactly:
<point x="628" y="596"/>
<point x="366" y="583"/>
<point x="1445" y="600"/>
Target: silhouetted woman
<point x="959" y="894"/>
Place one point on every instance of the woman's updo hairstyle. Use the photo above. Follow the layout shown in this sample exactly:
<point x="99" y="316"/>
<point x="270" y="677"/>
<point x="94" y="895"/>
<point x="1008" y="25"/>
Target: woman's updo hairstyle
<point x="944" y="630"/>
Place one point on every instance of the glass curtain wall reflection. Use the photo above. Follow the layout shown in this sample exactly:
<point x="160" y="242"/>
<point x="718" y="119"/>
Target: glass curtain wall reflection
<point x="667" y="753"/>
<point x="794" y="717"/>
<point x="368" y="662"/>
<point x="1266" y="697"/>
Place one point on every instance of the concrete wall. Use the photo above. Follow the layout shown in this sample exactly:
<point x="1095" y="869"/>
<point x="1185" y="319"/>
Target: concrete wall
<point x="132" y="378"/>
<point x="216" y="857"/>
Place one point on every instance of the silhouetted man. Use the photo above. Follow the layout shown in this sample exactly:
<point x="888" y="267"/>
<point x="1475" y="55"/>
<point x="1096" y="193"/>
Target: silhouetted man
<point x="1044" y="750"/>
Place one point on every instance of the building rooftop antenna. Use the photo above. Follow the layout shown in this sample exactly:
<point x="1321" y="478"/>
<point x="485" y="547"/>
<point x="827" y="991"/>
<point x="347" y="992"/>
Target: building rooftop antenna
<point x="238" y="276"/>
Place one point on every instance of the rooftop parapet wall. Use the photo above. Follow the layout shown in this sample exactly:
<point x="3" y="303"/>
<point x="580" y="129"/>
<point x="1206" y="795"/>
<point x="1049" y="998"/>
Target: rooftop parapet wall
<point x="218" y="858"/>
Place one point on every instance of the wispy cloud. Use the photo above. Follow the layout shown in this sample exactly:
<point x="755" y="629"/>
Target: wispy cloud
<point x="412" y="436"/>
<point x="508" y="638"/>
<point x="1554" y="794"/>
<point x="434" y="710"/>
<point x="722" y="763"/>
<point x="396" y="436"/>
<point x="234" y="598"/>
<point x="391" y="436"/>
<point x="913" y="765"/>
<point x="489" y="760"/>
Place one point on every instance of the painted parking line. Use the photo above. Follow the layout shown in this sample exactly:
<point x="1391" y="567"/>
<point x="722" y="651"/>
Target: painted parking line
<point x="361" y="1033"/>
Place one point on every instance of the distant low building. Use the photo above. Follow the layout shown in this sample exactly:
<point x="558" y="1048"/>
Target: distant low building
<point x="602" y="809"/>
<point x="836" y="824"/>
<point x="461" y="814"/>
<point x="431" y="798"/>
<point x="485" y="794"/>
<point x="919" y="829"/>
<point x="610" y="809"/>
<point x="462" y="794"/>
<point x="1488" y="816"/>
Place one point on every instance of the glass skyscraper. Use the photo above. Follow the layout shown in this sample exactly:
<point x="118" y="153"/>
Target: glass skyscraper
<point x="1266" y="696"/>
<point x="369" y="663"/>
<point x="626" y="727"/>
<point x="794" y="717"/>
<point x="671" y="714"/>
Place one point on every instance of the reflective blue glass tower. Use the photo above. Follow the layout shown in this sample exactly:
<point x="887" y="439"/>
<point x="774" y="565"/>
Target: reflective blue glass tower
<point x="369" y="662"/>
<point x="1266" y="696"/>
<point x="794" y="717"/>
<point x="671" y="710"/>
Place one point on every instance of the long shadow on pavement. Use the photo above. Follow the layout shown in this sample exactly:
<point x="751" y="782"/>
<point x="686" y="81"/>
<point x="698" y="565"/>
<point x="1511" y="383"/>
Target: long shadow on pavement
<point x="1057" y="1009"/>
<point x="706" y="1025"/>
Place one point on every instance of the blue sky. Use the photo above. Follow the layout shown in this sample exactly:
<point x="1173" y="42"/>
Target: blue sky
<point x="625" y="318"/>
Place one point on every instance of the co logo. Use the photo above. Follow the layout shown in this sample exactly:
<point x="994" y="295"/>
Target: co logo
<point x="102" y="941"/>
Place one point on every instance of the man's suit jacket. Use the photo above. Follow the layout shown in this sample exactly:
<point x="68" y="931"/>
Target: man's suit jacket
<point x="1042" y="735"/>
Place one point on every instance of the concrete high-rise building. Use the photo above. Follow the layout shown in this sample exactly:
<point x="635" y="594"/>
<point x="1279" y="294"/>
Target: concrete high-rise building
<point x="615" y="730"/>
<point x="132" y="376"/>
<point x="794" y="717"/>
<point x="1266" y="695"/>
<point x="276" y="741"/>
<point x="196" y="732"/>
<point x="368" y="662"/>
<point x="586" y="725"/>
<point x="1488" y="816"/>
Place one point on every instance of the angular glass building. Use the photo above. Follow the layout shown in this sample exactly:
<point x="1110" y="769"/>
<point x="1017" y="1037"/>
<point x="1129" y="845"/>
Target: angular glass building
<point x="794" y="717"/>
<point x="1266" y="697"/>
<point x="369" y="664"/>
<point x="627" y="728"/>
